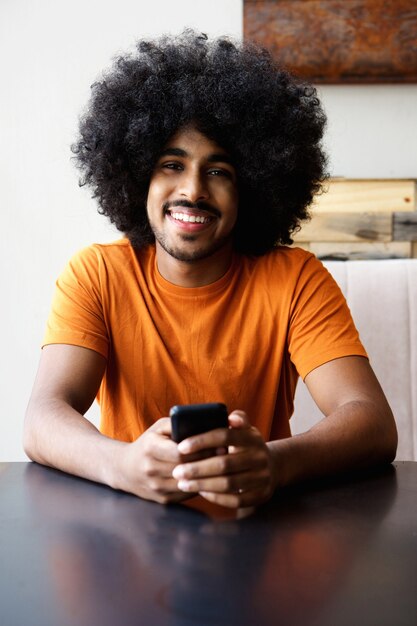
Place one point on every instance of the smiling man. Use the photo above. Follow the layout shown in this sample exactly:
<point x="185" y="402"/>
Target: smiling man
<point x="206" y="156"/>
<point x="192" y="208"/>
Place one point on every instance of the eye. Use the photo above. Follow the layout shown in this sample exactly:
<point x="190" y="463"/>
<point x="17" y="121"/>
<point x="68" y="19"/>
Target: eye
<point x="171" y="165"/>
<point x="219" y="172"/>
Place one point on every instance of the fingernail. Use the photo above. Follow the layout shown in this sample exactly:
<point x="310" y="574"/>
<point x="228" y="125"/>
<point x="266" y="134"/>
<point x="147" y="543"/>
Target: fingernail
<point x="178" y="472"/>
<point x="185" y="485"/>
<point x="184" y="447"/>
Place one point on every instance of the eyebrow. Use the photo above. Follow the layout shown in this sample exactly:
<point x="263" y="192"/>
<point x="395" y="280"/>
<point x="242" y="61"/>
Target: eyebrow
<point x="212" y="158"/>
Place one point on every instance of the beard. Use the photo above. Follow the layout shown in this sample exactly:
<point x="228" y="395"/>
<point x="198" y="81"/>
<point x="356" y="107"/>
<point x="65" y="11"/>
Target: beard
<point x="195" y="253"/>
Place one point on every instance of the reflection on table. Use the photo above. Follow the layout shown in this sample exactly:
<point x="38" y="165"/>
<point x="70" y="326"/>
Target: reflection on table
<point x="328" y="551"/>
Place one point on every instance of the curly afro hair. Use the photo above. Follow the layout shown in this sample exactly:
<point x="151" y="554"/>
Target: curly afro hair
<point x="270" y="122"/>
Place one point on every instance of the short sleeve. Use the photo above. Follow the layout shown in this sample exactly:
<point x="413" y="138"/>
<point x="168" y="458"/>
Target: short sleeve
<point x="76" y="316"/>
<point x="321" y="327"/>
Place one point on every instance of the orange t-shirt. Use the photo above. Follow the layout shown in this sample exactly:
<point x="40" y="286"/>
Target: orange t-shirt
<point x="242" y="340"/>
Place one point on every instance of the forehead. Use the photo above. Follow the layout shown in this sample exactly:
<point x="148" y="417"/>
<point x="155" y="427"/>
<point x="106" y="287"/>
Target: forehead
<point x="190" y="142"/>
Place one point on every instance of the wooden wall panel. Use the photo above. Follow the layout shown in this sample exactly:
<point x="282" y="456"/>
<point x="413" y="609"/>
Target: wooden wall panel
<point x="360" y="250"/>
<point x="352" y="195"/>
<point x="363" y="219"/>
<point x="405" y="226"/>
<point x="347" y="227"/>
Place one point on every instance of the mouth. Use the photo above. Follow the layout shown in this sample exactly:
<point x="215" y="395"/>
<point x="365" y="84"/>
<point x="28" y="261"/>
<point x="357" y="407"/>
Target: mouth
<point x="189" y="219"/>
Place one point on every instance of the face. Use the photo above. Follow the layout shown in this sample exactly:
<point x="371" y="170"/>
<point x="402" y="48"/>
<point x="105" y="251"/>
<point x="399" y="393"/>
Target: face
<point x="192" y="199"/>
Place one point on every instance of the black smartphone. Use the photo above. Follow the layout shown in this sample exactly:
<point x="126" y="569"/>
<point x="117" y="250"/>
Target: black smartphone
<point x="191" y="419"/>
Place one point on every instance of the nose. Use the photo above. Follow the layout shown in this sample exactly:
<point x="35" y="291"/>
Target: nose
<point x="193" y="186"/>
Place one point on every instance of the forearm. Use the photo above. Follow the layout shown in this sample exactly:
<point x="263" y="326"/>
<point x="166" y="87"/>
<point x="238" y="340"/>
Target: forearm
<point x="354" y="436"/>
<point x="57" y="435"/>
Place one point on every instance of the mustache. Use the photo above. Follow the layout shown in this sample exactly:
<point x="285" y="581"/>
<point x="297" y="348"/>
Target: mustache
<point x="200" y="205"/>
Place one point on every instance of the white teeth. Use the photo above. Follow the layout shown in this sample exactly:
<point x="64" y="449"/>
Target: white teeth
<point x="185" y="217"/>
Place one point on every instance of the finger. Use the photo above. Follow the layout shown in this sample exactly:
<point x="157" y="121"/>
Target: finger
<point x="157" y="446"/>
<point x="238" y="500"/>
<point x="162" y="426"/>
<point x="170" y="498"/>
<point x="155" y="469"/>
<point x="158" y="438"/>
<point x="239" y="419"/>
<point x="164" y="494"/>
<point x="221" y="437"/>
<point x="231" y="483"/>
<point x="231" y="501"/>
<point x="158" y="478"/>
<point x="167" y="454"/>
<point x="216" y="438"/>
<point x="164" y="485"/>
<point x="223" y="465"/>
<point x="202" y="454"/>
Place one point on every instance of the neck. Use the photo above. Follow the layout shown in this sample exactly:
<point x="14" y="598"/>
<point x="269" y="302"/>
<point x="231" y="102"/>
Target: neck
<point x="193" y="273"/>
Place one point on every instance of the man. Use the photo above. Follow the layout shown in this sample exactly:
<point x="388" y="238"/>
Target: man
<point x="206" y="156"/>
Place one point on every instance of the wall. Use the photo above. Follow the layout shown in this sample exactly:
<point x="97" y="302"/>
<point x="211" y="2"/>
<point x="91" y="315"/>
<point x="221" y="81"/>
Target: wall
<point x="50" y="53"/>
<point x="372" y="130"/>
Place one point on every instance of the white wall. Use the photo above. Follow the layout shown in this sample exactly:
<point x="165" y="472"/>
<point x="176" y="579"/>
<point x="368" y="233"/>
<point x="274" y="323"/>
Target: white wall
<point x="372" y="130"/>
<point x="50" y="53"/>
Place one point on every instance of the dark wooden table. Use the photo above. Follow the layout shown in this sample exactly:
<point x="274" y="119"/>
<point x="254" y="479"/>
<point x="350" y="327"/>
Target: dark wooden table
<point x="333" y="553"/>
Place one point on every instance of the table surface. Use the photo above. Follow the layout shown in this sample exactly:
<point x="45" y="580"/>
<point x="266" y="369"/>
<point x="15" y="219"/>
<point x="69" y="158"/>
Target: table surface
<point x="332" y="553"/>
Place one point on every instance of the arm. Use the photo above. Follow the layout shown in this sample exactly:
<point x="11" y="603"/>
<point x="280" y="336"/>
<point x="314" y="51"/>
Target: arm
<point x="358" y="431"/>
<point x="57" y="434"/>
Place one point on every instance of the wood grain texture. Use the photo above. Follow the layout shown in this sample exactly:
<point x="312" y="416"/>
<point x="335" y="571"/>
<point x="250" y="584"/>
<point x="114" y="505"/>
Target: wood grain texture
<point x="347" y="227"/>
<point x="363" y="219"/>
<point x="361" y="250"/>
<point x="405" y="226"/>
<point x="346" y="194"/>
<point x="338" y="41"/>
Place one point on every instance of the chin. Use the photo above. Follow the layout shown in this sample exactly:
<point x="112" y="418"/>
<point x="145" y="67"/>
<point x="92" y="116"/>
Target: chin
<point x="192" y="254"/>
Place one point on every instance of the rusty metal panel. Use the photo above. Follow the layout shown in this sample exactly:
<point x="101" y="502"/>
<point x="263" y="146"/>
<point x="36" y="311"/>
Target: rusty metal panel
<point x="338" y="41"/>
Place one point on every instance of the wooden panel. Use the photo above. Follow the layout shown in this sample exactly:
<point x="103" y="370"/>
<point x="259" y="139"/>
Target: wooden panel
<point x="361" y="250"/>
<point x="405" y="226"/>
<point x="347" y="227"/>
<point x="333" y="41"/>
<point x="363" y="219"/>
<point x="367" y="195"/>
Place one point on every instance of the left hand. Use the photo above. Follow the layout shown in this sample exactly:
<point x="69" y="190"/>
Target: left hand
<point x="243" y="477"/>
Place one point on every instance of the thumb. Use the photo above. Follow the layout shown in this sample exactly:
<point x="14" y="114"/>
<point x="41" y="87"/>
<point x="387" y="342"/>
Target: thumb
<point x="238" y="419"/>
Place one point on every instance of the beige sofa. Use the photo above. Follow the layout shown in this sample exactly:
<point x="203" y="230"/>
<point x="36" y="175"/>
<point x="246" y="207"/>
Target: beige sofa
<point x="382" y="296"/>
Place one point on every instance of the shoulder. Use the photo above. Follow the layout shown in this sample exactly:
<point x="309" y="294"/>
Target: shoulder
<point x="103" y="251"/>
<point x="282" y="254"/>
<point x="286" y="264"/>
<point x="291" y="275"/>
<point x="109" y="257"/>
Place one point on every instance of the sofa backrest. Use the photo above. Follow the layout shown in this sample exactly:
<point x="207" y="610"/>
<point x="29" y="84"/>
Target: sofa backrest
<point x="382" y="297"/>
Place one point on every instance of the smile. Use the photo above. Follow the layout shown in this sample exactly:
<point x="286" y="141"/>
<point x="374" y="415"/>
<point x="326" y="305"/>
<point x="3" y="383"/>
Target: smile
<point x="186" y="217"/>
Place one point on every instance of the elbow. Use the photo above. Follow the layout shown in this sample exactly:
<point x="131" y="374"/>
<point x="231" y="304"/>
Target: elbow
<point x="390" y="439"/>
<point x="27" y="444"/>
<point x="393" y="445"/>
<point x="27" y="440"/>
<point x="29" y="435"/>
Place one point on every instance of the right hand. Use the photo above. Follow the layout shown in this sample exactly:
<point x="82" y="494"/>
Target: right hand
<point x="145" y="466"/>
